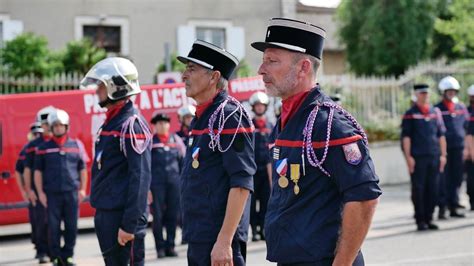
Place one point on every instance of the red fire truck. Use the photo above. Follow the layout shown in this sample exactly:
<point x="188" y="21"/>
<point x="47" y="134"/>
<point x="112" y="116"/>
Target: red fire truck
<point x="18" y="111"/>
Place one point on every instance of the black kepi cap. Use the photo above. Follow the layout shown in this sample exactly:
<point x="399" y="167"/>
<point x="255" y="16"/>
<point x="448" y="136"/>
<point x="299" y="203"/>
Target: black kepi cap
<point x="160" y="117"/>
<point x="293" y="35"/>
<point x="421" y="88"/>
<point x="212" y="57"/>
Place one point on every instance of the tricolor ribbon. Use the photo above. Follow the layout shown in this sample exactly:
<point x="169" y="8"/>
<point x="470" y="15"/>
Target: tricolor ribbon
<point x="195" y="153"/>
<point x="282" y="167"/>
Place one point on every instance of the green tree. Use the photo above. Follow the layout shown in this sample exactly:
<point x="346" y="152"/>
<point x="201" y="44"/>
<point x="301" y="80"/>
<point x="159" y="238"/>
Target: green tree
<point x="459" y="26"/>
<point x="176" y="65"/>
<point x="28" y="54"/>
<point x="442" y="45"/>
<point x="385" y="37"/>
<point x="243" y="69"/>
<point x="81" y="55"/>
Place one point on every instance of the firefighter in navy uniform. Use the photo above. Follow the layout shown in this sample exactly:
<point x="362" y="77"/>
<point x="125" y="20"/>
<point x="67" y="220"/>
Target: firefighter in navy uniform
<point x="454" y="116"/>
<point x="35" y="132"/>
<point x="324" y="189"/>
<point x="19" y="169"/>
<point x="39" y="217"/>
<point x="424" y="147"/>
<point x="219" y="162"/>
<point x="470" y="147"/>
<point x="185" y="115"/>
<point x="61" y="181"/>
<point x="166" y="156"/>
<point x="121" y="171"/>
<point x="262" y="179"/>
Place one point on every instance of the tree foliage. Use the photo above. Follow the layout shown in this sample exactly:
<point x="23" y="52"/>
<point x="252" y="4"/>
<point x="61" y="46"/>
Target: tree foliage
<point x="458" y="25"/>
<point x="81" y="55"/>
<point x="28" y="54"/>
<point x="385" y="37"/>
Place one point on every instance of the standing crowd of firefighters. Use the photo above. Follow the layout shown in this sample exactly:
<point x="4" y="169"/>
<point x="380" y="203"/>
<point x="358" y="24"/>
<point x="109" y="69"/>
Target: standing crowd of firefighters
<point x="307" y="185"/>
<point x="52" y="176"/>
<point x="438" y="145"/>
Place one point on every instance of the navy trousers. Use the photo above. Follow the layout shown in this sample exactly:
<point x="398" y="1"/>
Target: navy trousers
<point x="107" y="224"/>
<point x="199" y="254"/>
<point x="165" y="210"/>
<point x="424" y="184"/>
<point x="62" y="206"/>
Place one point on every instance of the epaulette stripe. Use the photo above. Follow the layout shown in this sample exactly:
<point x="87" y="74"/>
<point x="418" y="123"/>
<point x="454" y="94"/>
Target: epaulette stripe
<point x="117" y="133"/>
<point x="227" y="131"/>
<point x="317" y="144"/>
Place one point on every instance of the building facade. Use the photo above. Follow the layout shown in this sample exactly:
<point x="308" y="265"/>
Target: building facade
<point x="140" y="29"/>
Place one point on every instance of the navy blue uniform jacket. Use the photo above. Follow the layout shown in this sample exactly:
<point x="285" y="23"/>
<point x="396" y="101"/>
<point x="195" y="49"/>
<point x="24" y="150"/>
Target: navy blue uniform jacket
<point x="120" y="182"/>
<point x="204" y="190"/>
<point x="424" y="130"/>
<point x="304" y="227"/>
<point x="60" y="165"/>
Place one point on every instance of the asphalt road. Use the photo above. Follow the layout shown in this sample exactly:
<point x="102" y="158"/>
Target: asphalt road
<point x="392" y="240"/>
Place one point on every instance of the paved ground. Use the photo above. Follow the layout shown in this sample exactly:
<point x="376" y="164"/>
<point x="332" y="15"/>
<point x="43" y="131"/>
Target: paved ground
<point x="392" y="240"/>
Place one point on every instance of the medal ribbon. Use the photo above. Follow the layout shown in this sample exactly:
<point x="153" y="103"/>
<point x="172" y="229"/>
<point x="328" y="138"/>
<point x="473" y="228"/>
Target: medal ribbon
<point x="282" y="167"/>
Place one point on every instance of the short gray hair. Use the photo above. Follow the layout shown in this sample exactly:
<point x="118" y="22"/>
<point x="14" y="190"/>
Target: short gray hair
<point x="222" y="83"/>
<point x="316" y="62"/>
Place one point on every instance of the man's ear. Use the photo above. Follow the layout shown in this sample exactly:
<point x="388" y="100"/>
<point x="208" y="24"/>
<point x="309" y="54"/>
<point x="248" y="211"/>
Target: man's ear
<point x="216" y="75"/>
<point x="306" y="67"/>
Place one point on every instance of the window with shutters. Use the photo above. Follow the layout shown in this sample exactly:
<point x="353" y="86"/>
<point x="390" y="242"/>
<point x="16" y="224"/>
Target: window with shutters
<point x="107" y="37"/>
<point x="212" y="35"/>
<point x="108" y="32"/>
<point x="218" y="32"/>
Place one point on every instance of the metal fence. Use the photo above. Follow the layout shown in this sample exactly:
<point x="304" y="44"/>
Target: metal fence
<point x="375" y="100"/>
<point x="58" y="82"/>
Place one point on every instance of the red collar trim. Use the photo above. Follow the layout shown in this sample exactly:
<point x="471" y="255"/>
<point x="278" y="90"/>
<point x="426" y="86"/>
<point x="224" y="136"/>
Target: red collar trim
<point x="60" y="141"/>
<point x="113" y="111"/>
<point x="450" y="105"/>
<point x="164" y="138"/>
<point x="201" y="108"/>
<point x="290" y="106"/>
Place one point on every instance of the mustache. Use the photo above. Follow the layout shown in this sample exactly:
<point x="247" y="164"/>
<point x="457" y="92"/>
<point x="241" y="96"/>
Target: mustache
<point x="266" y="79"/>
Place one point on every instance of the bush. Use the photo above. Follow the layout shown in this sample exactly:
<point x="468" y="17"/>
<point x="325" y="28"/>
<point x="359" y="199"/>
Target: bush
<point x="382" y="131"/>
<point x="27" y="55"/>
<point x="176" y="65"/>
<point x="81" y="55"/>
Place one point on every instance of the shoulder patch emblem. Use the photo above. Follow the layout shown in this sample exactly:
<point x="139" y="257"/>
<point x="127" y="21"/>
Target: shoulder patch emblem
<point x="352" y="153"/>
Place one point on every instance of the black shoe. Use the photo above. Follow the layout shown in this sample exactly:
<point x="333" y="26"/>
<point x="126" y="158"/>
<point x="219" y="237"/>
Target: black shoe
<point x="422" y="227"/>
<point x="442" y="214"/>
<point x="70" y="261"/>
<point x="459" y="206"/>
<point x="43" y="259"/>
<point x="432" y="226"/>
<point x="161" y="253"/>
<point x="58" y="262"/>
<point x="171" y="253"/>
<point x="457" y="214"/>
